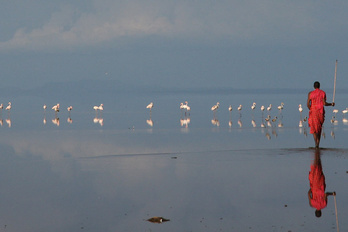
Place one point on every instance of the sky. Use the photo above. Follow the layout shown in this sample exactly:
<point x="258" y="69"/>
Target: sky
<point x="174" y="44"/>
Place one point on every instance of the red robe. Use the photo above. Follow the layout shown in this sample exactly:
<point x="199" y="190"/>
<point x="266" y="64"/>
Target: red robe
<point x="317" y="184"/>
<point x="317" y="111"/>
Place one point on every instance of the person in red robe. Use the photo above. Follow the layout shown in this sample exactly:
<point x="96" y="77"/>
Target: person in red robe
<point x="316" y="194"/>
<point x="315" y="103"/>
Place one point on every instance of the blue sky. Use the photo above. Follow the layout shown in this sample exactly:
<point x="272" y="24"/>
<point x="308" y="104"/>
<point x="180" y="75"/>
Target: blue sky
<point x="188" y="44"/>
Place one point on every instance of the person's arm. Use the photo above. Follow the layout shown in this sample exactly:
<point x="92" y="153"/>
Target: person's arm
<point x="309" y="101"/>
<point x="310" y="197"/>
<point x="327" y="103"/>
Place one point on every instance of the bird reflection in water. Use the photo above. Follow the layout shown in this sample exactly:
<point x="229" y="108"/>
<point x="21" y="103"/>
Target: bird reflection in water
<point x="215" y="122"/>
<point x="316" y="194"/>
<point x="8" y="121"/>
<point x="98" y="120"/>
<point x="55" y="121"/>
<point x="184" y="122"/>
<point x="149" y="122"/>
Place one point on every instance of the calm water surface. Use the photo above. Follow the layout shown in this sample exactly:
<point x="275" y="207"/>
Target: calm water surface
<point x="113" y="171"/>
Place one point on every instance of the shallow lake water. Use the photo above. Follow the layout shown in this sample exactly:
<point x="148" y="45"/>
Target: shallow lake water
<point x="112" y="171"/>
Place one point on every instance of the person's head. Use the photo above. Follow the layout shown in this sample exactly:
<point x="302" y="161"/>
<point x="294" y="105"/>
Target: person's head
<point x="316" y="85"/>
<point x="318" y="213"/>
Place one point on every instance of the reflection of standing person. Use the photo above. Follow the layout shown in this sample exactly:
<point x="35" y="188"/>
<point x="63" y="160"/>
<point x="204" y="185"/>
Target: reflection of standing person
<point x="316" y="194"/>
<point x="315" y="103"/>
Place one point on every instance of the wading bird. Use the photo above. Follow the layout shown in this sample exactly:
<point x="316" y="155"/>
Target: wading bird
<point x="269" y="108"/>
<point x="253" y="106"/>
<point x="9" y="106"/>
<point x="149" y="106"/>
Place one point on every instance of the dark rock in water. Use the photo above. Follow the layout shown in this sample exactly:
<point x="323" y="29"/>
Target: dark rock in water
<point x="157" y="219"/>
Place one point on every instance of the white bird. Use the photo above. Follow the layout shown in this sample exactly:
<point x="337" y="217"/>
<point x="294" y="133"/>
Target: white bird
<point x="101" y="107"/>
<point x="149" y="106"/>
<point x="345" y="111"/>
<point x="95" y="108"/>
<point x="239" y="108"/>
<point x="9" y="106"/>
<point x="188" y="108"/>
<point x="230" y="108"/>
<point x="56" y="107"/>
<point x="1" y="106"/>
<point x="253" y="106"/>
<point x="262" y="108"/>
<point x="335" y="111"/>
<point x="69" y="108"/>
<point x="215" y="107"/>
<point x="182" y="106"/>
<point x="44" y="107"/>
<point x="269" y="108"/>
<point x="300" y="108"/>
<point x="281" y="106"/>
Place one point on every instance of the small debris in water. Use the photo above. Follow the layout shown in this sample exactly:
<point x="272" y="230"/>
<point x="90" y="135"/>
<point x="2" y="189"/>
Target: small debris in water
<point x="174" y="157"/>
<point x="157" y="220"/>
<point x="285" y="205"/>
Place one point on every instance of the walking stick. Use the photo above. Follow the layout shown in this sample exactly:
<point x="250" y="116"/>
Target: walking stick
<point x="338" y="229"/>
<point x="334" y="91"/>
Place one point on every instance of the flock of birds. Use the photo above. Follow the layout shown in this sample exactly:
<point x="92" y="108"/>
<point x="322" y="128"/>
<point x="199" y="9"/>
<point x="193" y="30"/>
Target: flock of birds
<point x="267" y="121"/>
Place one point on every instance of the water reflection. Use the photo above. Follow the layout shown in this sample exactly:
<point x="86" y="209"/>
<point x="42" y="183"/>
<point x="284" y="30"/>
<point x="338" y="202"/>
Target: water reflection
<point x="55" y="121"/>
<point x="316" y="194"/>
<point x="149" y="122"/>
<point x="97" y="120"/>
<point x="8" y="121"/>
<point x="184" y="122"/>
<point x="215" y="122"/>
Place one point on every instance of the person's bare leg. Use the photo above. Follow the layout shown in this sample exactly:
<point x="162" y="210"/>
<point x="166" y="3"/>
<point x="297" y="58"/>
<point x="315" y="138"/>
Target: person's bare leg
<point x="316" y="140"/>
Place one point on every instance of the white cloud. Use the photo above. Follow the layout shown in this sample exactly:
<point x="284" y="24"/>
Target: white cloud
<point x="238" y="21"/>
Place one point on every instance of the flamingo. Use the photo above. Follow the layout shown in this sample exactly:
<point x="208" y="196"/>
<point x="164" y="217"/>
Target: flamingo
<point x="268" y="118"/>
<point x="215" y="107"/>
<point x="262" y="108"/>
<point x="44" y="107"/>
<point x="56" y="107"/>
<point x="187" y="107"/>
<point x="269" y="108"/>
<point x="230" y="108"/>
<point x="335" y="111"/>
<point x="300" y="108"/>
<point x="253" y="106"/>
<point x="101" y="107"/>
<point x="149" y="106"/>
<point x="9" y="106"/>
<point x="345" y="111"/>
<point x="274" y="119"/>
<point x="1" y="106"/>
<point x="239" y="108"/>
<point x="281" y="106"/>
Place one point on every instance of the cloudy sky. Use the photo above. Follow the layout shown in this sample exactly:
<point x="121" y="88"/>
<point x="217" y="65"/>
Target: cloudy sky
<point x="238" y="44"/>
